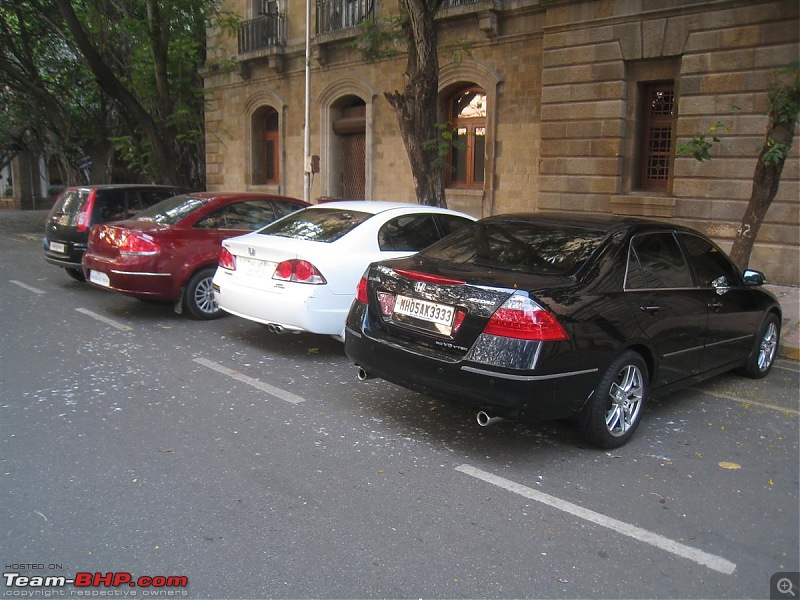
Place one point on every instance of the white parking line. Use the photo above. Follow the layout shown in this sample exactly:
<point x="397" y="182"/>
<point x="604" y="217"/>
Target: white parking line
<point x="711" y="561"/>
<point x="265" y="387"/>
<point x="789" y="411"/>
<point x="30" y="288"/>
<point x="103" y="319"/>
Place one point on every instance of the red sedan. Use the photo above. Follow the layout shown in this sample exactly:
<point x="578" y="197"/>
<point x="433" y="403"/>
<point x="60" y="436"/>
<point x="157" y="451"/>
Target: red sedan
<point x="169" y="252"/>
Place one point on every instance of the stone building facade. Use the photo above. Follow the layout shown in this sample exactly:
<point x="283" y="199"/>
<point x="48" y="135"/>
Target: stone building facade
<point x="573" y="105"/>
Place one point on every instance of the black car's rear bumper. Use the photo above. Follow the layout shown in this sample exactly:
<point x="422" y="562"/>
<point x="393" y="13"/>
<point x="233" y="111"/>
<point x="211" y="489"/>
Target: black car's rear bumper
<point x="65" y="262"/>
<point x="70" y="259"/>
<point x="522" y="395"/>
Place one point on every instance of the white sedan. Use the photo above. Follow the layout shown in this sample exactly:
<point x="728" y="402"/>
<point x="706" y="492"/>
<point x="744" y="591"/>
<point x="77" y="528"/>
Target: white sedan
<point x="300" y="273"/>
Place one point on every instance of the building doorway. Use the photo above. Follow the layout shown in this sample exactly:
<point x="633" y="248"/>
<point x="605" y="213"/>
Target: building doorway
<point x="348" y="149"/>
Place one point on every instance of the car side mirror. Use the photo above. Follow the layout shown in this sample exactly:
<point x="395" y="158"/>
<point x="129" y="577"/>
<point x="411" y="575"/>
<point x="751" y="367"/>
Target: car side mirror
<point x="754" y="278"/>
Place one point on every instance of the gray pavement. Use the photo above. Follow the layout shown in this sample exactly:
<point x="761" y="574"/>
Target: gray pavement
<point x="31" y="223"/>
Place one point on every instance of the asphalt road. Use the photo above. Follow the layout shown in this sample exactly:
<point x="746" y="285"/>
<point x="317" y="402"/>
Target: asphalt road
<point x="137" y="441"/>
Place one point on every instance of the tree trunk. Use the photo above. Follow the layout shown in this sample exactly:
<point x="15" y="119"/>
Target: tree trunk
<point x="160" y="41"/>
<point x="416" y="106"/>
<point x="766" y="179"/>
<point x="163" y="158"/>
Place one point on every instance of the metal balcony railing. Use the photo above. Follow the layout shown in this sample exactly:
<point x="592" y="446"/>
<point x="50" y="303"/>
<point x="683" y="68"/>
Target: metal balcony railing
<point x="338" y="15"/>
<point x="454" y="3"/>
<point x="265" y="31"/>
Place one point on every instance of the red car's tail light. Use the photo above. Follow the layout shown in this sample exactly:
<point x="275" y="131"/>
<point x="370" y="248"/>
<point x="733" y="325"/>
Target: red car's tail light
<point x="86" y="212"/>
<point x="521" y="318"/>
<point x="137" y="245"/>
<point x="227" y="260"/>
<point x="298" y="271"/>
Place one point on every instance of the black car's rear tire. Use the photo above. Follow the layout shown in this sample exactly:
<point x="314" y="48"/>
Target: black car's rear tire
<point x="765" y="349"/>
<point x="76" y="274"/>
<point x="198" y="297"/>
<point x="614" y="411"/>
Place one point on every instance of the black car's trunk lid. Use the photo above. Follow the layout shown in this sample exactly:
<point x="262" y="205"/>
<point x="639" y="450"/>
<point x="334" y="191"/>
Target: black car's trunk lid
<point x="443" y="308"/>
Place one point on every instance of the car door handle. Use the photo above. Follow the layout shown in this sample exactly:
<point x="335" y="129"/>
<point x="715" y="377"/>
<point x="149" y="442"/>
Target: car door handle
<point x="651" y="309"/>
<point x="715" y="305"/>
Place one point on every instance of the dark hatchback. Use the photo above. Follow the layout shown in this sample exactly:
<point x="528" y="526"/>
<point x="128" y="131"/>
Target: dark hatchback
<point x="78" y="208"/>
<point x="555" y="316"/>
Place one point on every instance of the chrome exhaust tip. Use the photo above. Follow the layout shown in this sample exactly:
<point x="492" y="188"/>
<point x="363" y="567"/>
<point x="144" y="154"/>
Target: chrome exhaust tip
<point x="363" y="375"/>
<point x="484" y="420"/>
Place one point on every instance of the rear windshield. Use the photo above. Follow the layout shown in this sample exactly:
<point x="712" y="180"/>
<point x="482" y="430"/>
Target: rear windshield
<point x="171" y="210"/>
<point x="70" y="204"/>
<point x="317" y="224"/>
<point x="519" y="246"/>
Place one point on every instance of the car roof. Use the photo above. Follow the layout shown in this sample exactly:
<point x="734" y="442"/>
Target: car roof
<point x="600" y="222"/>
<point x="241" y="195"/>
<point x="379" y="206"/>
<point x="119" y="186"/>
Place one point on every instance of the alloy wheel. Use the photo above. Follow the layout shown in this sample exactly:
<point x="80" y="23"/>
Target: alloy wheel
<point x="625" y="397"/>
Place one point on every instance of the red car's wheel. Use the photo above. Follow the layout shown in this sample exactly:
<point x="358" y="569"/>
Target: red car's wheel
<point x="199" y="295"/>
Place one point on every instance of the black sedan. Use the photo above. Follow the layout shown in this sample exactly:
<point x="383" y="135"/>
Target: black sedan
<point x="534" y="316"/>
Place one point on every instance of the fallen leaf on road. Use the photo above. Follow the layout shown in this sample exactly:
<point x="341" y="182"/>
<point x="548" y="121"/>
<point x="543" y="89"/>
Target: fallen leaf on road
<point x="729" y="465"/>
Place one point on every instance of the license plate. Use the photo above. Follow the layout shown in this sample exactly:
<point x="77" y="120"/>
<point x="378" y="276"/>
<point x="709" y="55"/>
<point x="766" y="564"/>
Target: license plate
<point x="58" y="247"/>
<point x="424" y="310"/>
<point x="99" y="278"/>
<point x="254" y="267"/>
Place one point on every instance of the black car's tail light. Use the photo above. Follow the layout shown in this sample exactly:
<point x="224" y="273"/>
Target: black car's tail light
<point x="227" y="260"/>
<point x="86" y="212"/>
<point x="521" y="318"/>
<point x="428" y="277"/>
<point x="361" y="290"/>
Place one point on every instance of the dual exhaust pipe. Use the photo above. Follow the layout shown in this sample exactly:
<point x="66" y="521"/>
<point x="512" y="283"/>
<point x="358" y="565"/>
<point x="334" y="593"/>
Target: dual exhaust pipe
<point x="274" y="328"/>
<point x="484" y="419"/>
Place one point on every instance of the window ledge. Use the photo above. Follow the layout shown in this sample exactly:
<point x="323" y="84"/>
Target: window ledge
<point x="467" y="200"/>
<point x="643" y="206"/>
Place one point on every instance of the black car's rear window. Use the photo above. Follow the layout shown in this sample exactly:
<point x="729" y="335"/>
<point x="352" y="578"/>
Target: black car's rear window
<point x="69" y="206"/>
<point x="317" y="224"/>
<point x="171" y="210"/>
<point x="519" y="246"/>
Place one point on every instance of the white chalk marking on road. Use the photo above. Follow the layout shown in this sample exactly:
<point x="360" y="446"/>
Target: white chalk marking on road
<point x="103" y="319"/>
<point x="711" y="561"/>
<point x="265" y="387"/>
<point x="30" y="288"/>
<point x="718" y="396"/>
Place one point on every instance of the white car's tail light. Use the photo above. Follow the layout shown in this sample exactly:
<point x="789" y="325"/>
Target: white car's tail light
<point x="227" y="260"/>
<point x="298" y="271"/>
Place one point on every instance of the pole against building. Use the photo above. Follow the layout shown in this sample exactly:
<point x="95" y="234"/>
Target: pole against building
<point x="307" y="125"/>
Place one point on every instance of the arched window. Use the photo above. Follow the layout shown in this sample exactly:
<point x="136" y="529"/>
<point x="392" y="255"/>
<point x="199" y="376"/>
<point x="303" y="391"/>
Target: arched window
<point x="271" y="145"/>
<point x="266" y="147"/>
<point x="466" y="114"/>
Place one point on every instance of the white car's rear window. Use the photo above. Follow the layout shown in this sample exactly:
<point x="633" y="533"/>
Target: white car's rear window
<point x="316" y="224"/>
